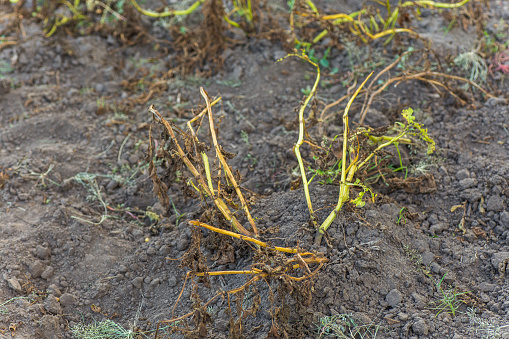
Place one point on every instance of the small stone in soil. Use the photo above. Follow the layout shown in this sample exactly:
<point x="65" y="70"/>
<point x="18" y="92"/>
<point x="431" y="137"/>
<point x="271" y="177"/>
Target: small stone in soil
<point x="67" y="299"/>
<point x="52" y="305"/>
<point x="14" y="284"/>
<point x="499" y="230"/>
<point x="418" y="299"/>
<point x="420" y="328"/>
<point x="504" y="219"/>
<point x="498" y="258"/>
<point x="53" y="289"/>
<point x="495" y="203"/>
<point x="164" y="250"/>
<point x="137" y="233"/>
<point x="427" y="258"/>
<point x="137" y="282"/>
<point x="48" y="272"/>
<point x="468" y="183"/>
<point x="462" y="174"/>
<point x="435" y="268"/>
<point x="393" y="298"/>
<point x="143" y="256"/>
<point x="153" y="284"/>
<point x="471" y="194"/>
<point x="112" y="185"/>
<point x="438" y="228"/>
<point x="42" y="252"/>
<point x="403" y="316"/>
<point x="172" y="281"/>
<point x="49" y="326"/>
<point x="182" y="244"/>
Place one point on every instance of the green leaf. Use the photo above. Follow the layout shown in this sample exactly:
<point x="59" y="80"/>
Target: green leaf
<point x="324" y="63"/>
<point x="326" y="54"/>
<point x="408" y="115"/>
<point x="422" y="132"/>
<point x="358" y="201"/>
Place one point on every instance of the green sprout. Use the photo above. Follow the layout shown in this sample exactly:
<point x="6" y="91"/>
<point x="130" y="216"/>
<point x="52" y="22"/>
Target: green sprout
<point x="245" y="137"/>
<point x="345" y="326"/>
<point x="449" y="302"/>
<point x="401" y="217"/>
<point x="486" y="326"/>
<point x="330" y="175"/>
<point x="473" y="63"/>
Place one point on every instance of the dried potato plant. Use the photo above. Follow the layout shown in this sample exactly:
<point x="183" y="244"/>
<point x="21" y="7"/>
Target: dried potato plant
<point x="204" y="167"/>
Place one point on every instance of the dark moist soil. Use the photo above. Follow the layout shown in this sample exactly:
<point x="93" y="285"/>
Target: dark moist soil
<point x="67" y="109"/>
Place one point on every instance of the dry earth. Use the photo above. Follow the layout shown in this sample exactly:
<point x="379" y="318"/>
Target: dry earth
<point x="69" y="130"/>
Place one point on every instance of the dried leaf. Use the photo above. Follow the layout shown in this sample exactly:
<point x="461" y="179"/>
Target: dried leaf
<point x="160" y="188"/>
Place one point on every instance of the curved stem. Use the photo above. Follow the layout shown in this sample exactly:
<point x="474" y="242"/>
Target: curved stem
<point x="345" y="179"/>
<point x="300" y="141"/>
<point x="228" y="173"/>
<point x="424" y="3"/>
<point x="167" y="13"/>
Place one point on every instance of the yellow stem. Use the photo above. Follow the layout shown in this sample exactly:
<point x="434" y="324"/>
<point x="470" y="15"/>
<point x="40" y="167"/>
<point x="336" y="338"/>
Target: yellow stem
<point x="205" y="159"/>
<point x="220" y="204"/>
<point x="167" y="13"/>
<point x="352" y="168"/>
<point x="231" y="22"/>
<point x="227" y="170"/>
<point x="246" y="238"/>
<point x="423" y="3"/>
<point x="296" y="148"/>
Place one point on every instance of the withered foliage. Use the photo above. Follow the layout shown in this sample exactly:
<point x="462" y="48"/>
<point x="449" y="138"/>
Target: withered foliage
<point x="4" y="177"/>
<point x="204" y="170"/>
<point x="204" y="44"/>
<point x="415" y="185"/>
<point x="159" y="187"/>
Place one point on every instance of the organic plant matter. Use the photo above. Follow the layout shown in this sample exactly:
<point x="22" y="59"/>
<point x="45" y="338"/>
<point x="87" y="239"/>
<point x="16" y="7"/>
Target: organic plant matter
<point x="358" y="160"/>
<point x="242" y="9"/>
<point x="487" y="327"/>
<point x="103" y="330"/>
<point x="196" y="161"/>
<point x="471" y="61"/>
<point x="401" y="217"/>
<point x="62" y="13"/>
<point x="370" y="27"/>
<point x="500" y="64"/>
<point x="420" y="70"/>
<point x="212" y="180"/>
<point x="153" y="14"/>
<point x="7" y="41"/>
<point x="359" y="147"/>
<point x="345" y="326"/>
<point x="108" y="329"/>
<point x="276" y="267"/>
<point x="125" y="177"/>
<point x="423" y="73"/>
<point x="449" y="302"/>
<point x="205" y="42"/>
<point x="297" y="146"/>
<point x="61" y="20"/>
<point x="2" y="305"/>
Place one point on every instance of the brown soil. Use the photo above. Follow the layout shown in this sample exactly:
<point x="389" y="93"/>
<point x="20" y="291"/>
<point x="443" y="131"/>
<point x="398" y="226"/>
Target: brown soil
<point x="74" y="126"/>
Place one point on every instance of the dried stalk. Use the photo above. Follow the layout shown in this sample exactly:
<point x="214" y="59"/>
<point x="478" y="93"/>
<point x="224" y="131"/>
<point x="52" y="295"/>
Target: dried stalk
<point x="226" y="168"/>
<point x="204" y="187"/>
